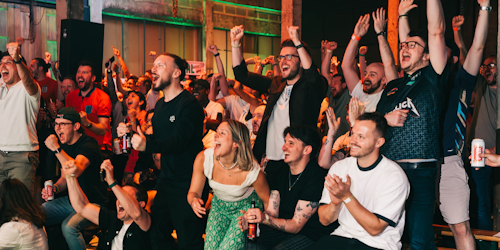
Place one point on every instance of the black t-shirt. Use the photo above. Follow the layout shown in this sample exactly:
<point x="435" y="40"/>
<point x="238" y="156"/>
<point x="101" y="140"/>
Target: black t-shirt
<point x="89" y="180"/>
<point x="308" y="187"/>
<point x="422" y="94"/>
<point x="134" y="238"/>
<point x="458" y="100"/>
<point x="178" y="131"/>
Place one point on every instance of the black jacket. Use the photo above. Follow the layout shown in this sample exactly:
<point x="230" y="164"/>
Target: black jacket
<point x="305" y="100"/>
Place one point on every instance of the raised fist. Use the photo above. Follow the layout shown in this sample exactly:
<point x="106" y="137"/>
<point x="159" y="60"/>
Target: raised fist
<point x="457" y="21"/>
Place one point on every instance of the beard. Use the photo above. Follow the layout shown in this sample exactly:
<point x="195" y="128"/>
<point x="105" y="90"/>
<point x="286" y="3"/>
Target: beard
<point x="373" y="87"/>
<point x="293" y="73"/>
<point x="86" y="86"/>
<point x="163" y="84"/>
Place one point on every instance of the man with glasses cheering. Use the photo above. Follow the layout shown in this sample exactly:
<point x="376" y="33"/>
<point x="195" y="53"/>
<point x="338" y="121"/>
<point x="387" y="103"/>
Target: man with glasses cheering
<point x="294" y="97"/>
<point x="412" y="106"/>
<point x="483" y="126"/>
<point x="84" y="151"/>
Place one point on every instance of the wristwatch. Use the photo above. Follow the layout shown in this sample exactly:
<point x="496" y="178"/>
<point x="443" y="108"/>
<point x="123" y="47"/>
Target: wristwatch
<point x="487" y="8"/>
<point x="90" y="125"/>
<point x="57" y="151"/>
<point x="21" y="59"/>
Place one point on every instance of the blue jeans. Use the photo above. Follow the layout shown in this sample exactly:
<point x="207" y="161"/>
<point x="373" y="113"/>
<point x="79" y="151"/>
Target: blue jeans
<point x="482" y="178"/>
<point x="61" y="211"/>
<point x="420" y="207"/>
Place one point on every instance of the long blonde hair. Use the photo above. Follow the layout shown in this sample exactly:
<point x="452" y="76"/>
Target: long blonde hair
<point x="241" y="136"/>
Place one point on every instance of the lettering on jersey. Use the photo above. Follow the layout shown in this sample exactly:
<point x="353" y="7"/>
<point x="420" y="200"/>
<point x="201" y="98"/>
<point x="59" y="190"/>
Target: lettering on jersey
<point x="392" y="91"/>
<point x="408" y="104"/>
<point x="172" y="118"/>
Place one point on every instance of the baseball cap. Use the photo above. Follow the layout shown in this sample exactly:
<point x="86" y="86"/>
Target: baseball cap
<point x="69" y="114"/>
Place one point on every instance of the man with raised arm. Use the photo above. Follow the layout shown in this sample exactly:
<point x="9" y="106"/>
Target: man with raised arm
<point x="369" y="91"/>
<point x="290" y="220"/>
<point x="294" y="97"/>
<point x="128" y="227"/>
<point x="453" y="188"/>
<point x="19" y="106"/>
<point x="337" y="95"/>
<point x="412" y="106"/>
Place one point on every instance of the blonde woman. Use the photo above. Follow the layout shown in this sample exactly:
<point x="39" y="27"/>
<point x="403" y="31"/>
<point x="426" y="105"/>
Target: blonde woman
<point x="234" y="175"/>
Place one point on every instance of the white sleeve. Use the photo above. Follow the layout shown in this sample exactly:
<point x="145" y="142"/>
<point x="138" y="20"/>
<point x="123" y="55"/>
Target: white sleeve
<point x="217" y="109"/>
<point x="325" y="196"/>
<point x="392" y="195"/>
<point x="9" y="236"/>
<point x="358" y="90"/>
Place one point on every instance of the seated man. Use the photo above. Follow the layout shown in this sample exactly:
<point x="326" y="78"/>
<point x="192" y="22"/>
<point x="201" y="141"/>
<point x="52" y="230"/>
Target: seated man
<point x="291" y="220"/>
<point x="128" y="228"/>
<point x="371" y="210"/>
<point x="84" y="151"/>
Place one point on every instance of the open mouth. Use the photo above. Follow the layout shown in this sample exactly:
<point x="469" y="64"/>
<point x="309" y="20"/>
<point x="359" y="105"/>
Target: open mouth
<point x="61" y="136"/>
<point x="406" y="58"/>
<point x="5" y="73"/>
<point x="120" y="209"/>
<point x="285" y="68"/>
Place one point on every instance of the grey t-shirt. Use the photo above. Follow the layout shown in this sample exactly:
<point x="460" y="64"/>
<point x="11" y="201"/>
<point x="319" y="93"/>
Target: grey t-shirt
<point x="338" y="104"/>
<point x="487" y="118"/>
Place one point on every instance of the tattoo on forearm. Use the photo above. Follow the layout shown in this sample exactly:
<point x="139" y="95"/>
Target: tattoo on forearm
<point x="326" y="142"/>
<point x="278" y="226"/>
<point x="275" y="205"/>
<point x="313" y="204"/>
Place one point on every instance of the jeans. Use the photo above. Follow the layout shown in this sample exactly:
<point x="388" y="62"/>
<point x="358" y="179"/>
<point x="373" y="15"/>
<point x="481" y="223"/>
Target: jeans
<point x="61" y="211"/>
<point x="420" y="207"/>
<point x="482" y="178"/>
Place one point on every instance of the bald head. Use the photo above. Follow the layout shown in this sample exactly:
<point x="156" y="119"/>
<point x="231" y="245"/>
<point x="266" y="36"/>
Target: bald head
<point x="374" y="80"/>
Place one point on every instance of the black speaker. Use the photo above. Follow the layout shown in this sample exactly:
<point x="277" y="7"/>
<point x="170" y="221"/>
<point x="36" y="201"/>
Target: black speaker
<point x="80" y="40"/>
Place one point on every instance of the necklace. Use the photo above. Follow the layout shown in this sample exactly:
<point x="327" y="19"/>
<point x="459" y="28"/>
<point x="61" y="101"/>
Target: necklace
<point x="290" y="186"/>
<point x="229" y="168"/>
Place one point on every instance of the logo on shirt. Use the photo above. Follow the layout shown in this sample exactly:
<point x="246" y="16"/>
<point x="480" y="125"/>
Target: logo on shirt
<point x="172" y="118"/>
<point x="44" y="89"/>
<point x="88" y="109"/>
<point x="392" y="91"/>
<point x="408" y="104"/>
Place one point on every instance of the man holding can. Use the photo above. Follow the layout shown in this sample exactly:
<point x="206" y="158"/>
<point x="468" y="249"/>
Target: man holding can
<point x="85" y="152"/>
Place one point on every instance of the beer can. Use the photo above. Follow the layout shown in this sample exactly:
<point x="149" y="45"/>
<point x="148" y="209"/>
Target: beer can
<point x="117" y="147"/>
<point x="477" y="147"/>
<point x="48" y="185"/>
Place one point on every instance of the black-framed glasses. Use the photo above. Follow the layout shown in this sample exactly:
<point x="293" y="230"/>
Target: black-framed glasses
<point x="489" y="65"/>
<point x="61" y="124"/>
<point x="410" y="45"/>
<point x="288" y="57"/>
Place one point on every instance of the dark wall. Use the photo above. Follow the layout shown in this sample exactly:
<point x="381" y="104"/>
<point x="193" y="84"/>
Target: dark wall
<point x="334" y="20"/>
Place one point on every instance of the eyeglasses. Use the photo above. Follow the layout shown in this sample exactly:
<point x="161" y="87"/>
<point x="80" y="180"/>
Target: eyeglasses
<point x="62" y="124"/>
<point x="410" y="45"/>
<point x="489" y="65"/>
<point x="287" y="57"/>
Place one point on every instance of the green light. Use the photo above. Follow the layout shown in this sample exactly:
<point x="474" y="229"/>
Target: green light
<point x="41" y="1"/>
<point x="251" y="32"/>
<point x="3" y="9"/>
<point x="4" y="37"/>
<point x="52" y="41"/>
<point x="180" y="22"/>
<point x="248" y="6"/>
<point x="51" y="15"/>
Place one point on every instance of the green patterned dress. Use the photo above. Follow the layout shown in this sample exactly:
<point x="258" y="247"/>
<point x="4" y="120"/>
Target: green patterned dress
<point x="222" y="230"/>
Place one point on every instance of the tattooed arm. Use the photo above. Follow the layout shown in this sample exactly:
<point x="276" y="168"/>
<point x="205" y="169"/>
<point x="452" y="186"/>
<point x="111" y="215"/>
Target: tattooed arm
<point x="303" y="211"/>
<point x="274" y="204"/>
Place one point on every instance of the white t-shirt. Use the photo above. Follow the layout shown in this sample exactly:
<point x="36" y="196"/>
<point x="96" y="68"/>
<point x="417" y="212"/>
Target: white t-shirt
<point x="23" y="236"/>
<point x="279" y="120"/>
<point x="152" y="98"/>
<point x="19" y="112"/>
<point x="117" y="243"/>
<point x="213" y="108"/>
<point x="370" y="101"/>
<point x="238" y="109"/>
<point x="382" y="190"/>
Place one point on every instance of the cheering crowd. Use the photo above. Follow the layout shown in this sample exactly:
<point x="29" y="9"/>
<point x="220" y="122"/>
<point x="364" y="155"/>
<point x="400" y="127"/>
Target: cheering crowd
<point x="318" y="157"/>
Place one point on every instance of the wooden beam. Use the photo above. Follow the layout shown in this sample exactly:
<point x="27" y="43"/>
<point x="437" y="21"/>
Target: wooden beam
<point x="392" y="28"/>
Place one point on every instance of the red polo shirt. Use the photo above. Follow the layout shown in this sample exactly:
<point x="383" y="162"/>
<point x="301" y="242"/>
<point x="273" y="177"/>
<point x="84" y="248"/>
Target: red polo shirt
<point x="49" y="89"/>
<point x="96" y="104"/>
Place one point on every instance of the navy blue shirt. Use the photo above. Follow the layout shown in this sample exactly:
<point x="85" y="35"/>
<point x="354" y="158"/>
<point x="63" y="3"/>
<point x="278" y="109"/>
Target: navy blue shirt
<point x="422" y="94"/>
<point x="454" y="125"/>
